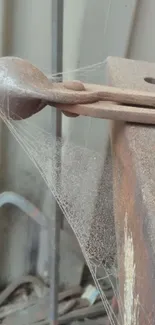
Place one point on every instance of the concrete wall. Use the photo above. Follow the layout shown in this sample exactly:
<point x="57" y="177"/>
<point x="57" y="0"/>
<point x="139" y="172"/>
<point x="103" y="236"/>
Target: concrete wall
<point x="90" y="35"/>
<point x="95" y="30"/>
<point x="30" y="38"/>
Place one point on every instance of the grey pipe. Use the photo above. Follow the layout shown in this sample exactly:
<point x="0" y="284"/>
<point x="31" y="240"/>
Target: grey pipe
<point x="24" y="205"/>
<point x="33" y="251"/>
<point x="57" y="67"/>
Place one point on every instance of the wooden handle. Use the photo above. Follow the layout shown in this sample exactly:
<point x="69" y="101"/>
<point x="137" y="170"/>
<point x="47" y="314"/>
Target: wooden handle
<point x="111" y="111"/>
<point x="123" y="95"/>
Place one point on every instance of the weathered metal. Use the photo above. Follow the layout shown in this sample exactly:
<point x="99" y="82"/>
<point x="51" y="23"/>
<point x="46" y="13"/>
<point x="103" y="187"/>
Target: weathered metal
<point x="133" y="153"/>
<point x="29" y="91"/>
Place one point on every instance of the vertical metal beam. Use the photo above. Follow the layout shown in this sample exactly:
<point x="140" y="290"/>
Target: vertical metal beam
<point x="54" y="236"/>
<point x="134" y="204"/>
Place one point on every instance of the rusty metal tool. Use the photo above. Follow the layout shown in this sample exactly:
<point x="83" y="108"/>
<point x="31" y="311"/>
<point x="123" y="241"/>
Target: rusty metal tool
<point x="116" y="104"/>
<point x="25" y="90"/>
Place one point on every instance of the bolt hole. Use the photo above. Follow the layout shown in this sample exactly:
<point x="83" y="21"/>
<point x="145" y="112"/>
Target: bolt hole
<point x="150" y="80"/>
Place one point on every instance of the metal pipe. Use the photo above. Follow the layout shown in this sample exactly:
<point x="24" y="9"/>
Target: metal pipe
<point x="24" y="205"/>
<point x="32" y="249"/>
<point x="55" y="224"/>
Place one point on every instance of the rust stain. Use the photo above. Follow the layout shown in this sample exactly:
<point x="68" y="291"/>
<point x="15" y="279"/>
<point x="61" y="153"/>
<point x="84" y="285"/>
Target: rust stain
<point x="129" y="200"/>
<point x="131" y="301"/>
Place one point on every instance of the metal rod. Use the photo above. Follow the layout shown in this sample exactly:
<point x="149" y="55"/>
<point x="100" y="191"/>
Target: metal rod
<point x="54" y="235"/>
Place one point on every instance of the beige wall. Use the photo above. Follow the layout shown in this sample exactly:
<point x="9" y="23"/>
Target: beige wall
<point x="29" y="36"/>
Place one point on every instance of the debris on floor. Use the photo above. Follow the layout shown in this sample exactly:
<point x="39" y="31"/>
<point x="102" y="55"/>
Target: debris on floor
<point x="75" y="304"/>
<point x="26" y="301"/>
<point x="98" y="321"/>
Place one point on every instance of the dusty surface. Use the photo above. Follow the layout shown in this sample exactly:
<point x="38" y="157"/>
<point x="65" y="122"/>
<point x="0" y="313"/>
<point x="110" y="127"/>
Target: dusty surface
<point x="134" y="183"/>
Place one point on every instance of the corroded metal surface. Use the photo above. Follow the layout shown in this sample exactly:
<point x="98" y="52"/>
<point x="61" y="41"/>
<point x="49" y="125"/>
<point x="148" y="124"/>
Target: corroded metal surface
<point x="134" y="182"/>
<point x="134" y="203"/>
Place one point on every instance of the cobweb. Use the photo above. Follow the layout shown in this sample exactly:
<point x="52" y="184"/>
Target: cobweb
<point x="80" y="179"/>
<point x="81" y="182"/>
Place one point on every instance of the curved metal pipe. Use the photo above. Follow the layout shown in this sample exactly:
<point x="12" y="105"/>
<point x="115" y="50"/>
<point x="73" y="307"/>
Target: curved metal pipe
<point x="24" y="205"/>
<point x="34" y="213"/>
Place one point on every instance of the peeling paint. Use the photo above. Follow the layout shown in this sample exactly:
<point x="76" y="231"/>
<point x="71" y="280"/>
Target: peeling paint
<point x="131" y="303"/>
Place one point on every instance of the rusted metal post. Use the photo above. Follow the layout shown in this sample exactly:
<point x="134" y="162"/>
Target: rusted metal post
<point x="133" y="151"/>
